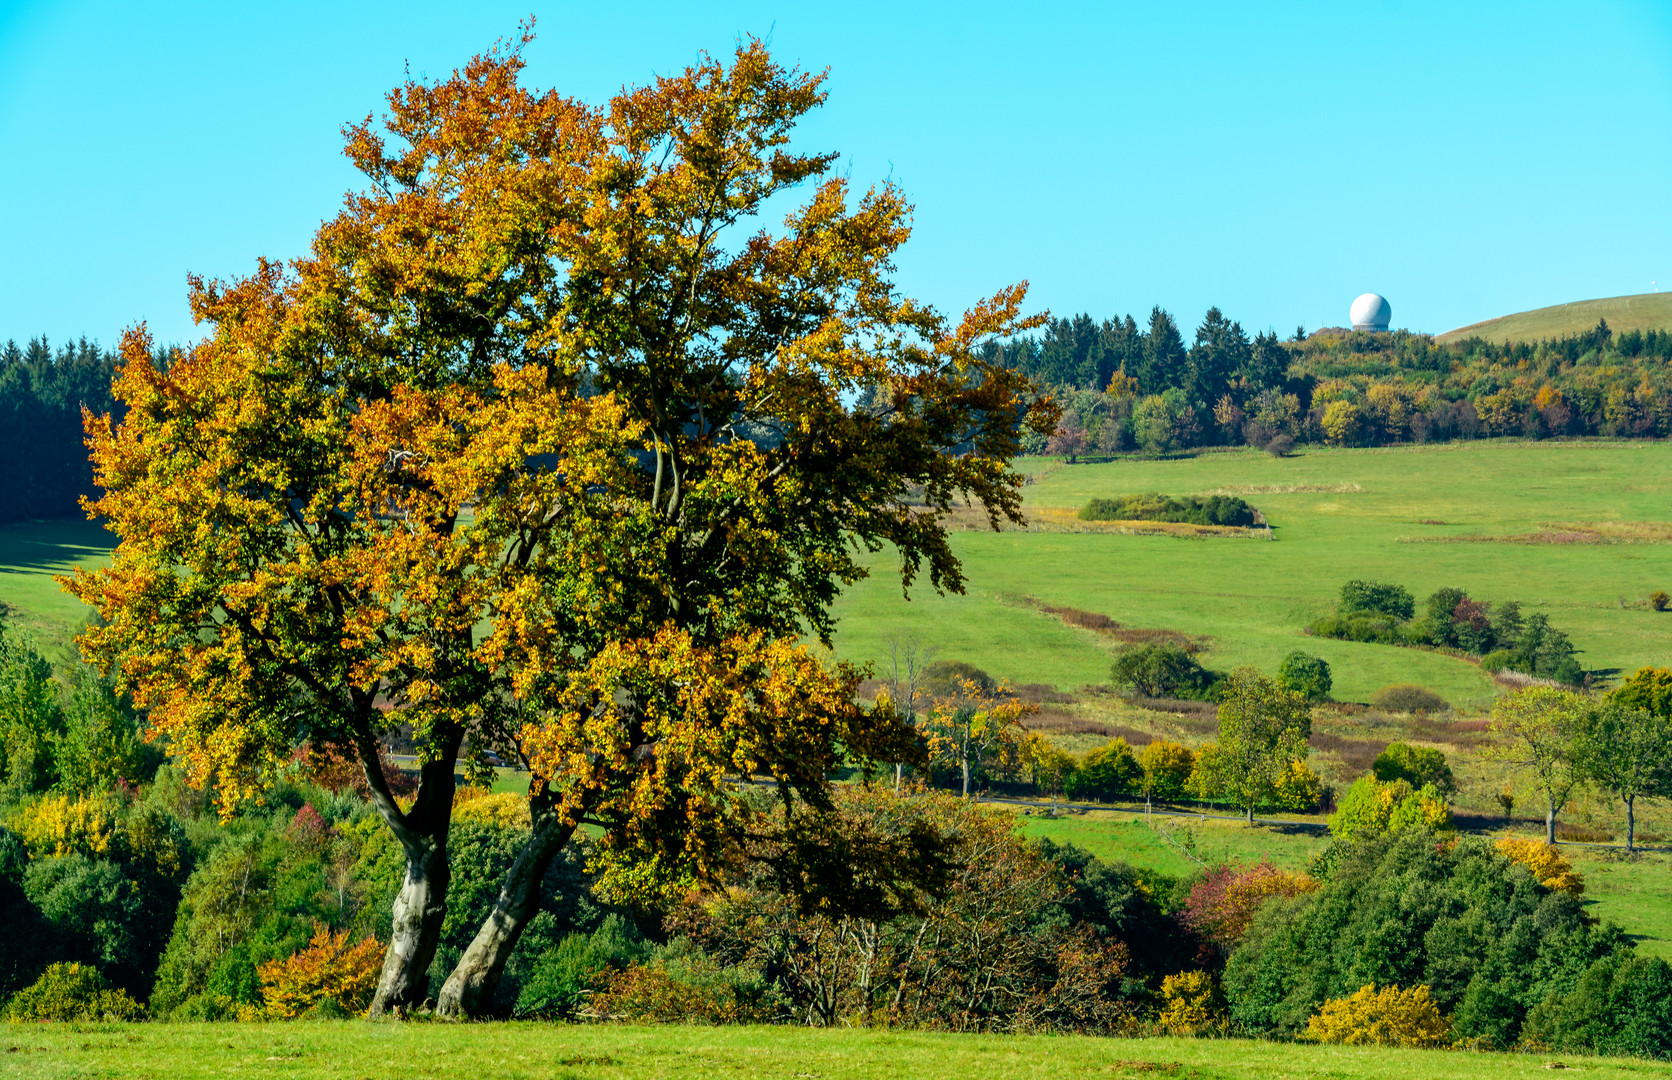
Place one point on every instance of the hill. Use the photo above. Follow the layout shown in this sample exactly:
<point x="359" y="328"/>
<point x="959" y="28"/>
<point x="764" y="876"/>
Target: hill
<point x="1646" y="311"/>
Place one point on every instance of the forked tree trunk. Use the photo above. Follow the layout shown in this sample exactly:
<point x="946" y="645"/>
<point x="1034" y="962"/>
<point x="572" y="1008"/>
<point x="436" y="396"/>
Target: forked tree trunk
<point x="421" y="903"/>
<point x="469" y="990"/>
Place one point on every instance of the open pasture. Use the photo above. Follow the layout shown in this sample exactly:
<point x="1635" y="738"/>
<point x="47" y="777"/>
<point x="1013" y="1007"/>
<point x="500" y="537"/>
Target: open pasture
<point x="1546" y="523"/>
<point x="526" y="1051"/>
<point x="1644" y="311"/>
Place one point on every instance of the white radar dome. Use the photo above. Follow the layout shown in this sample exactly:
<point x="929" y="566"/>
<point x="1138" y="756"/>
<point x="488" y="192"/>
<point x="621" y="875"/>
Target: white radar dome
<point x="1371" y="312"/>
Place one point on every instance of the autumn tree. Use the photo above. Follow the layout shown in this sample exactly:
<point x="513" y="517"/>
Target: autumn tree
<point x="1262" y="728"/>
<point x="550" y="443"/>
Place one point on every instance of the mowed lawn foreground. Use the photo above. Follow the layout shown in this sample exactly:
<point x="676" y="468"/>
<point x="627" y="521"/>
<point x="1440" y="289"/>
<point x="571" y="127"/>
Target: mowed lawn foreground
<point x="1416" y="515"/>
<point x="528" y="1051"/>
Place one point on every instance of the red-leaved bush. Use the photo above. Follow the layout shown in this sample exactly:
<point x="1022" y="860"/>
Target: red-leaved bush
<point x="1223" y="902"/>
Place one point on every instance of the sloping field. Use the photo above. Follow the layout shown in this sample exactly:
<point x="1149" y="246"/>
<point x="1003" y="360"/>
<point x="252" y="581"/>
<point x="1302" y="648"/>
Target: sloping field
<point x="1646" y="311"/>
<point x="1467" y="515"/>
<point x="308" y="1050"/>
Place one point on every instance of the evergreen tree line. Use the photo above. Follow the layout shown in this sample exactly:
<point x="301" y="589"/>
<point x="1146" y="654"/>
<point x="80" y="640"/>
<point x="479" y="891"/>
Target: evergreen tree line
<point x="1126" y="385"/>
<point x="42" y="393"/>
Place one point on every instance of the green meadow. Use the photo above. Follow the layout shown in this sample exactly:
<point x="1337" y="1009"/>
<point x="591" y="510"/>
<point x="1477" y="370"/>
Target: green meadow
<point x="1423" y="516"/>
<point x="1644" y="311"/>
<point x="527" y="1051"/>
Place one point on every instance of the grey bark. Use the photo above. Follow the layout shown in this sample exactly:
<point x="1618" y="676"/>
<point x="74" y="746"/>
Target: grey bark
<point x="1550" y="824"/>
<point x="469" y="990"/>
<point x="421" y="903"/>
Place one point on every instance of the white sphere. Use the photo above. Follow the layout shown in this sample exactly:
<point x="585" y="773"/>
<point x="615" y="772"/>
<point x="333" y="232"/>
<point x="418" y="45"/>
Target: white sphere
<point x="1371" y="312"/>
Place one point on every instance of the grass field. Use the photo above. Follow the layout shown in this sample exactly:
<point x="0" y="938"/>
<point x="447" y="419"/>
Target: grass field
<point x="1421" y="516"/>
<point x="30" y="554"/>
<point x="1641" y="312"/>
<point x="358" y="1049"/>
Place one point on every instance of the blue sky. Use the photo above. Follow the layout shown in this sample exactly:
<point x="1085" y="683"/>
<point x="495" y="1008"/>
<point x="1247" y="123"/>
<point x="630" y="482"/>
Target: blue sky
<point x="1465" y="160"/>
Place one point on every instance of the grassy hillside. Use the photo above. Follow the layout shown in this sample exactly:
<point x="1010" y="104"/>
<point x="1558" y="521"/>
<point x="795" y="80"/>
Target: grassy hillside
<point x="1423" y="516"/>
<point x="31" y="554"/>
<point x="1645" y="311"/>
<point x="302" y="1051"/>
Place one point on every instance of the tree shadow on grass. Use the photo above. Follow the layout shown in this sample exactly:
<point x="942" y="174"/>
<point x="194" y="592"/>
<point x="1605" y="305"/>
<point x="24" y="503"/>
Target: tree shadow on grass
<point x="40" y="546"/>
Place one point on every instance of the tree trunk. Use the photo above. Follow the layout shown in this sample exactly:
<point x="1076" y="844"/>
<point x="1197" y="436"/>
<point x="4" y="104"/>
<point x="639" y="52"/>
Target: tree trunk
<point x="420" y="906"/>
<point x="1631" y="824"/>
<point x="1550" y="824"/>
<point x="421" y="903"/>
<point x="469" y="990"/>
<point x="966" y="764"/>
<point x="1251" y="813"/>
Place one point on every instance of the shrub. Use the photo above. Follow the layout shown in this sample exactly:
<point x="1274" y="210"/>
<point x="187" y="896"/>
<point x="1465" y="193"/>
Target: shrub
<point x="1367" y="626"/>
<point x="947" y="678"/>
<point x="329" y="977"/>
<point x="72" y="992"/>
<point x="67" y="825"/>
<point x="1161" y="670"/>
<point x="1621" y="1005"/>
<point x="681" y="984"/>
<point x="1105" y="772"/>
<point x="1190" y="509"/>
<point x="1386" y="1017"/>
<point x="1377" y="597"/>
<point x="506" y="809"/>
<point x="1546" y="864"/>
<point x="1224" y="901"/>
<point x="1371" y="808"/>
<point x="1497" y="660"/>
<point x="1190" y="1001"/>
<point x="1649" y="689"/>
<point x="578" y="967"/>
<point x="1167" y="767"/>
<point x="1281" y="446"/>
<point x="1306" y="675"/>
<point x="1660" y="600"/>
<point x="1416" y="765"/>
<point x="1405" y="698"/>
<point x="1298" y="788"/>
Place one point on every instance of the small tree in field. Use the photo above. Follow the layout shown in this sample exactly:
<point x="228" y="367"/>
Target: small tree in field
<point x="1627" y="752"/>
<point x="1539" y="726"/>
<point x="1306" y="675"/>
<point x="1167" y="767"/>
<point x="972" y="726"/>
<point x="1262" y="728"/>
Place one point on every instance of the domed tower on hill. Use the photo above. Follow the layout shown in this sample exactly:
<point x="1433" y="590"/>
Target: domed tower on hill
<point x="1371" y="312"/>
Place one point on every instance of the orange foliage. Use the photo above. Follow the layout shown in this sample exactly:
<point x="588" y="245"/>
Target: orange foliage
<point x="329" y="972"/>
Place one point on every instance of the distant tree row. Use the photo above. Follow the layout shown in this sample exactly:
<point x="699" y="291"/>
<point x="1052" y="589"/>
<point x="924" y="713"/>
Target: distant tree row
<point x="1126" y="385"/>
<point x="42" y="393"/>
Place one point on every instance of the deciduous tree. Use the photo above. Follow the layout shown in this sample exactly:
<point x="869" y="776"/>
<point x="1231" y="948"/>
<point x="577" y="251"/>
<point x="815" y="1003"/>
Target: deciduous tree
<point x="548" y="444"/>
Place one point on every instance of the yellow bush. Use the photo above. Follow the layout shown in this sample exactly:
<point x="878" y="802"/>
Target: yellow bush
<point x="1189" y="1002"/>
<point x="1548" y="866"/>
<point x="329" y="973"/>
<point x="1386" y="1017"/>
<point x="72" y="992"/>
<point x="66" y="825"/>
<point x="506" y="808"/>
<point x="1298" y="788"/>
